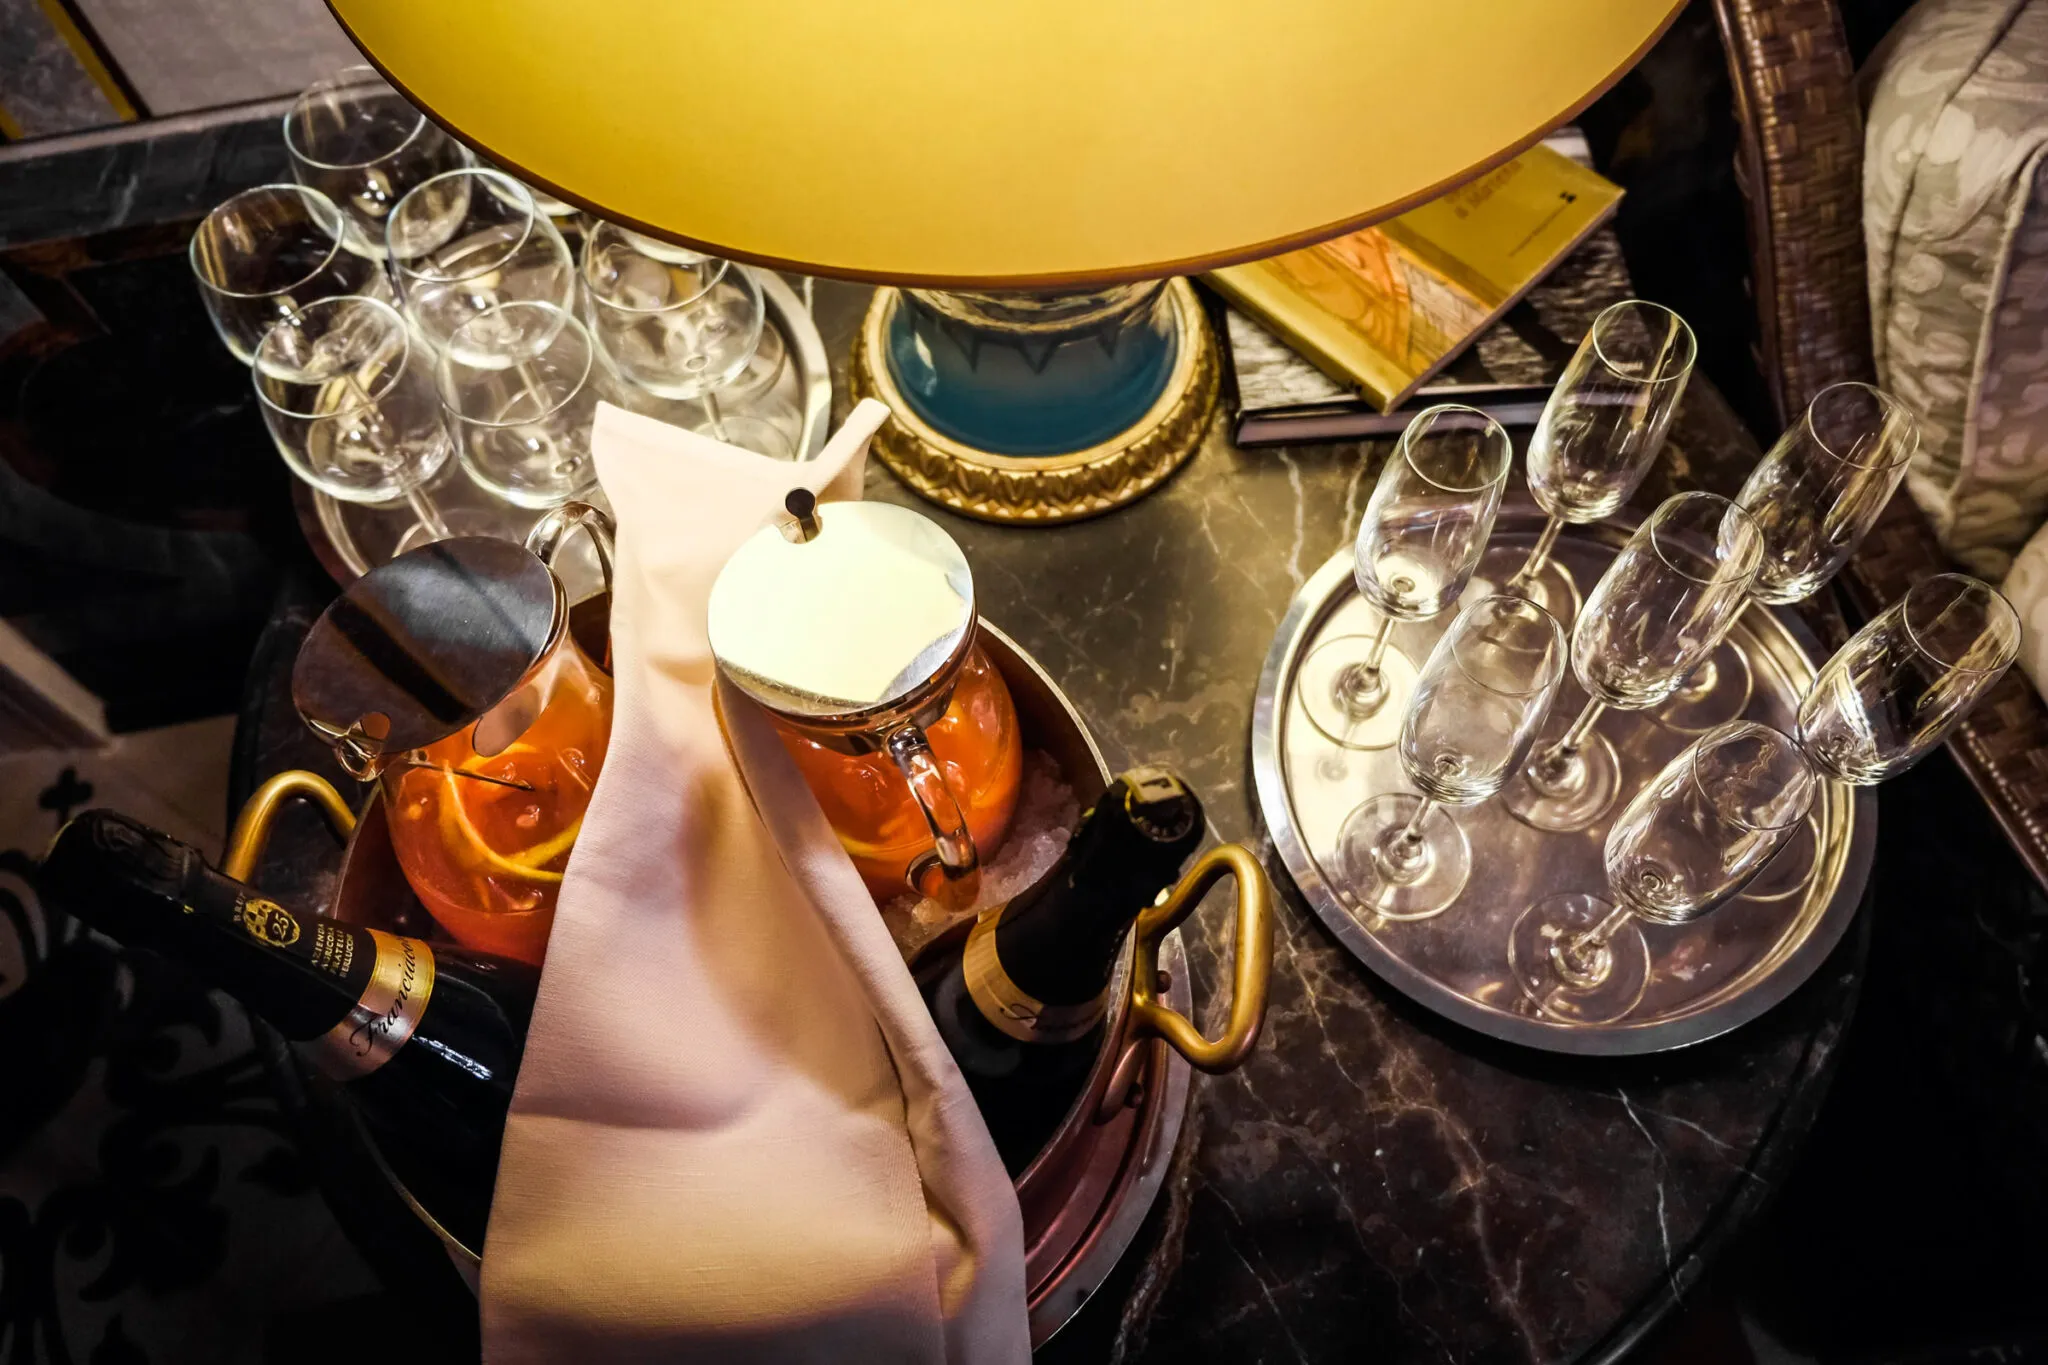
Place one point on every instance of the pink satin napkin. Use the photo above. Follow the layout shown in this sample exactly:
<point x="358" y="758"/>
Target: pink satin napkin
<point x="736" y="1135"/>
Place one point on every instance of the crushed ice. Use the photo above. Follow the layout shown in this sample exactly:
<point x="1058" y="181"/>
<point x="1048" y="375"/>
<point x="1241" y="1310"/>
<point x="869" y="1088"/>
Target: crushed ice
<point x="1047" y="812"/>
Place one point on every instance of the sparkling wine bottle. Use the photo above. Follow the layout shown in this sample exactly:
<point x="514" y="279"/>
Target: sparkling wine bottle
<point x="1021" y="1003"/>
<point x="427" y="1040"/>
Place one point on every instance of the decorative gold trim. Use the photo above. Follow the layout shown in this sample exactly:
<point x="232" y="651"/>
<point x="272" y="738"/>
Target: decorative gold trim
<point x="1045" y="489"/>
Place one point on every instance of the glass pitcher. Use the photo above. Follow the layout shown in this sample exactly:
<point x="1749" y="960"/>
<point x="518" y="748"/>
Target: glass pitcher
<point x="451" y="678"/>
<point x="854" y="626"/>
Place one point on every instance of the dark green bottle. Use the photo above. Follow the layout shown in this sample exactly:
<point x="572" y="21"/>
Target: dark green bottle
<point x="1021" y="1003"/>
<point x="426" y="1039"/>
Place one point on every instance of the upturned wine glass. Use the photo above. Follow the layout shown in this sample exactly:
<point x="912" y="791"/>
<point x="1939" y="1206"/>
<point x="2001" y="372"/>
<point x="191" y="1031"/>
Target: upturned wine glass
<point x="1478" y="702"/>
<point x="1600" y="433"/>
<point x="1420" y="539"/>
<point x="520" y="388"/>
<point x="267" y="252"/>
<point x="677" y="325"/>
<point x="1905" y="680"/>
<point x="1815" y="495"/>
<point x="1684" y="845"/>
<point x="466" y="241"/>
<point x="356" y="140"/>
<point x="352" y="408"/>
<point x="1662" y="606"/>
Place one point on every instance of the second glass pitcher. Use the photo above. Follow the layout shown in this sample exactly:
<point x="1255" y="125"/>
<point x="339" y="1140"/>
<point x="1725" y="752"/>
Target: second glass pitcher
<point x="854" y="625"/>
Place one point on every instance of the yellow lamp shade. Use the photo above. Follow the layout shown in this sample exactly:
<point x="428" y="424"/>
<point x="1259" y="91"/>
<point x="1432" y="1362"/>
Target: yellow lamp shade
<point x="1043" y="143"/>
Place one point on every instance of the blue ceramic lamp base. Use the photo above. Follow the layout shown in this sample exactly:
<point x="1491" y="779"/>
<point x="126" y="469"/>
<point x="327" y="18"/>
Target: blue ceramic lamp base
<point x="1038" y="408"/>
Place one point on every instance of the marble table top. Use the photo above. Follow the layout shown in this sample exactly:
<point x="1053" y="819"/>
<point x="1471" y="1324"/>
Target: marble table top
<point x="1374" y="1184"/>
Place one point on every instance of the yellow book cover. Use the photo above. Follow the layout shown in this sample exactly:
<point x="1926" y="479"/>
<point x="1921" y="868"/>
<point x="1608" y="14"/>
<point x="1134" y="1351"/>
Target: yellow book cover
<point x="1384" y="308"/>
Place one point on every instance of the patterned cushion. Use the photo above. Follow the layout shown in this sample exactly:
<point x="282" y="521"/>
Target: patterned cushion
<point x="1956" y="221"/>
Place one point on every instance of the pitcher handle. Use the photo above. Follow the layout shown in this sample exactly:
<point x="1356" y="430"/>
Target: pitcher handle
<point x="548" y="533"/>
<point x="953" y="852"/>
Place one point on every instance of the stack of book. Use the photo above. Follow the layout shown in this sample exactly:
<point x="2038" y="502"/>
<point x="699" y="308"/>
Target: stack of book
<point x="1346" y="339"/>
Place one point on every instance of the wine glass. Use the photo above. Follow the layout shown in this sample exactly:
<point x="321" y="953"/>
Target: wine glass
<point x="1478" y="702"/>
<point x="267" y="252"/>
<point x="567" y="218"/>
<point x="1904" y="681"/>
<point x="1662" y="606"/>
<point x="520" y="389"/>
<point x="351" y="408"/>
<point x="679" y="327"/>
<point x="1685" y="844"/>
<point x="1600" y="433"/>
<point x="1418" y="542"/>
<point x="358" y="141"/>
<point x="466" y="241"/>
<point x="1815" y="495"/>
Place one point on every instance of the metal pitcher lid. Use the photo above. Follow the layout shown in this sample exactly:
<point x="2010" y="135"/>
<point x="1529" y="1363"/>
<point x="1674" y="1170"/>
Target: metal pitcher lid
<point x="841" y="609"/>
<point x="417" y="649"/>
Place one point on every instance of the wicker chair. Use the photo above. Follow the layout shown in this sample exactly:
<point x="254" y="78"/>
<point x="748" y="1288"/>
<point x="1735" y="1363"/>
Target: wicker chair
<point x="1800" y="168"/>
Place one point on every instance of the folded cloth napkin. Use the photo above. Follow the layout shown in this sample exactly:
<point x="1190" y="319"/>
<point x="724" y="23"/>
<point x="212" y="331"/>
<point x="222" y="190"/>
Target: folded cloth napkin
<point x="736" y="1135"/>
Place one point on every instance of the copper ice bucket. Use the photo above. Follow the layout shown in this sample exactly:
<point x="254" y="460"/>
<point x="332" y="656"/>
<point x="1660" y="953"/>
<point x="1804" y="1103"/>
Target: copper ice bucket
<point x="1088" y="1190"/>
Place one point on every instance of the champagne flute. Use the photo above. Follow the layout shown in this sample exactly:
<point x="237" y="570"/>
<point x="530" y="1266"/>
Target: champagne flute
<point x="1892" y="693"/>
<point x="1905" y="680"/>
<point x="1686" y="844"/>
<point x="1815" y="495"/>
<point x="520" y="391"/>
<point x="1420" y="539"/>
<point x="358" y="141"/>
<point x="1600" y="433"/>
<point x="466" y="241"/>
<point x="1478" y="702"/>
<point x="267" y="252"/>
<point x="1662" y="606"/>
<point x="351" y="408"/>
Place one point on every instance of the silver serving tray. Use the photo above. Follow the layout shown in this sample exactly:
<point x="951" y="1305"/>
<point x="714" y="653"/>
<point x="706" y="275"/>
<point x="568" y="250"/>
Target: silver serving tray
<point x="351" y="537"/>
<point x="1708" y="977"/>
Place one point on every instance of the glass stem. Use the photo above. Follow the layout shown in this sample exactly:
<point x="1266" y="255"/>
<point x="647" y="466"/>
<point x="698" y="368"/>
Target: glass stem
<point x="1411" y="833"/>
<point x="1378" y="652"/>
<point x="1595" y="938"/>
<point x="710" y="402"/>
<point x="1575" y="737"/>
<point x="1404" y="858"/>
<point x="423" y="508"/>
<point x="1539" y="555"/>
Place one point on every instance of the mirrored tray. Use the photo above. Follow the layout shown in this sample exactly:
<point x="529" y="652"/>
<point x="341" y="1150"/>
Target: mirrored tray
<point x="1707" y="977"/>
<point x="350" y="537"/>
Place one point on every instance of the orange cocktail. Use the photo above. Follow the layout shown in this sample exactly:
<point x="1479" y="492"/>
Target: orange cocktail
<point x="484" y="839"/>
<point x="867" y="801"/>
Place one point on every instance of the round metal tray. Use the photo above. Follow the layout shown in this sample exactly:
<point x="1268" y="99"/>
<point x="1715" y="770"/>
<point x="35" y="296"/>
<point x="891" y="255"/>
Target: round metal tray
<point x="349" y="538"/>
<point x="1708" y="977"/>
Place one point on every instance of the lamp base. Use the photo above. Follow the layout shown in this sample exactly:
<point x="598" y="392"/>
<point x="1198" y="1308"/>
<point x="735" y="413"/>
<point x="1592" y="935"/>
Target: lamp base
<point x="1045" y="489"/>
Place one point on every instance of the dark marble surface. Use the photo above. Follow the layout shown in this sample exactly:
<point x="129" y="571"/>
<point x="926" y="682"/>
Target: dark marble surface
<point x="152" y="172"/>
<point x="1374" y="1183"/>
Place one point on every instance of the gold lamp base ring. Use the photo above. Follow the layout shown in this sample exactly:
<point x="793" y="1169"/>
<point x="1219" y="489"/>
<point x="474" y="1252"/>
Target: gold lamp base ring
<point x="1045" y="489"/>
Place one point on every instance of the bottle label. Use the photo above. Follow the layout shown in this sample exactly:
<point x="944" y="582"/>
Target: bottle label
<point x="401" y="980"/>
<point x="1009" y="1006"/>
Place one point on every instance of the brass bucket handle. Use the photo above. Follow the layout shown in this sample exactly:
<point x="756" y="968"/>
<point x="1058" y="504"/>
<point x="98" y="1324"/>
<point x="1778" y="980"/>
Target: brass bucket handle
<point x="1148" y="1016"/>
<point x="259" y="816"/>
